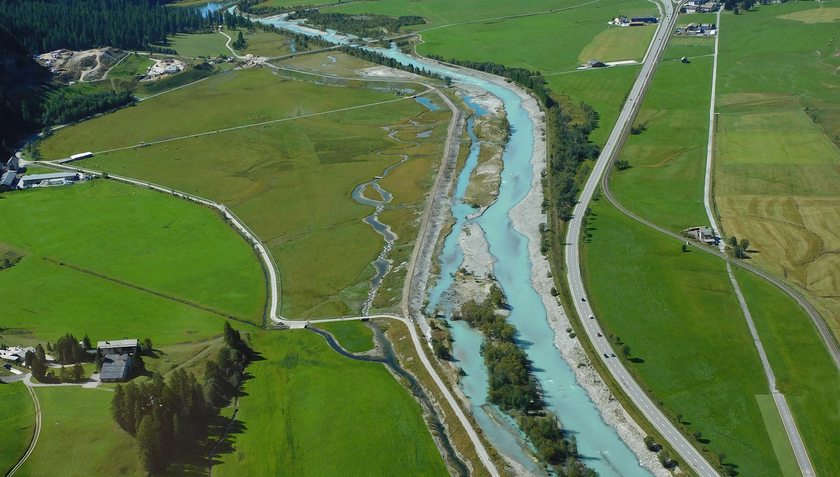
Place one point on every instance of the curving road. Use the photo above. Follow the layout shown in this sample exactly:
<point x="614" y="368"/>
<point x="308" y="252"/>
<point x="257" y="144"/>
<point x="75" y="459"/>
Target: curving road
<point x="35" y="436"/>
<point x="690" y="455"/>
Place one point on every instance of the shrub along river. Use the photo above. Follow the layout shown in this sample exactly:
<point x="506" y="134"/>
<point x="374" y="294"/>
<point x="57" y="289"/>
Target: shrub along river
<point x="598" y="443"/>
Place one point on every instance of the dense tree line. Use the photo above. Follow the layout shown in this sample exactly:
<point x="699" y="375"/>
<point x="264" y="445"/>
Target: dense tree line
<point x="63" y="107"/>
<point x="570" y="147"/>
<point x="514" y="389"/>
<point x="168" y="417"/>
<point x="67" y="350"/>
<point x="253" y="7"/>
<point x="45" y="25"/>
<point x="379" y="58"/>
<point x="527" y="78"/>
<point x="365" y="25"/>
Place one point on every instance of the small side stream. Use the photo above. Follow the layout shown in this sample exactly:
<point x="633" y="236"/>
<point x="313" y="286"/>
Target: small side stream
<point x="390" y="360"/>
<point x="382" y="264"/>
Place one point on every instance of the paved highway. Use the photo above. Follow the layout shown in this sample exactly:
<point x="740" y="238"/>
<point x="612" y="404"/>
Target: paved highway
<point x="690" y="456"/>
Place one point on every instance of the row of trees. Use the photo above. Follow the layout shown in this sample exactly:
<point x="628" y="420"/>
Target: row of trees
<point x="514" y="389"/>
<point x="379" y="58"/>
<point x="168" y="417"/>
<point x="527" y="78"/>
<point x="365" y="25"/>
<point x="37" y="362"/>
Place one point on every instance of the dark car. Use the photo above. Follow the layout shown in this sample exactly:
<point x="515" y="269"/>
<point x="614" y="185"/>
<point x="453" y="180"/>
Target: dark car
<point x="591" y="317"/>
<point x="605" y="355"/>
<point x="599" y="334"/>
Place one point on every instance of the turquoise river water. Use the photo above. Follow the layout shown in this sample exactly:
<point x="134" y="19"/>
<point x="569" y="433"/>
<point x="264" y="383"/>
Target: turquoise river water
<point x="598" y="443"/>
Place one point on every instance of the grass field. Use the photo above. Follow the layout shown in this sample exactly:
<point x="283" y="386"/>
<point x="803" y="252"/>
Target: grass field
<point x="300" y="396"/>
<point x="71" y="416"/>
<point x="209" y="45"/>
<point x="17" y="419"/>
<point x="804" y="371"/>
<point x="289" y="181"/>
<point x="131" y="67"/>
<point x="776" y="170"/>
<point x="353" y="336"/>
<point x="329" y="63"/>
<point x="262" y="43"/>
<point x="668" y="159"/>
<point x="580" y="33"/>
<point x="138" y="237"/>
<point x="604" y="89"/>
<point x="682" y="322"/>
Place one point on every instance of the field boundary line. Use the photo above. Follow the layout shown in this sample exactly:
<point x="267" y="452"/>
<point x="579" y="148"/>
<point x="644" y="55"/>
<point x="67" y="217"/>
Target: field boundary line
<point x="252" y="125"/>
<point x="146" y="290"/>
<point x="35" y="436"/>
<point x="506" y="17"/>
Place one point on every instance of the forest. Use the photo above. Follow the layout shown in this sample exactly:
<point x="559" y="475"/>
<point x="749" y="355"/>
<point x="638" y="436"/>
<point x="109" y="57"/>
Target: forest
<point x="63" y="107"/>
<point x="46" y="25"/>
<point x="363" y="26"/>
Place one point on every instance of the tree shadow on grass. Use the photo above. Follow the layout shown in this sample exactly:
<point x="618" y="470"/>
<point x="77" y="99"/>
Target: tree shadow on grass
<point x="637" y="360"/>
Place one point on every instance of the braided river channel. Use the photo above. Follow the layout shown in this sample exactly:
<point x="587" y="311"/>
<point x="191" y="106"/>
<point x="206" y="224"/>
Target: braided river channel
<point x="598" y="443"/>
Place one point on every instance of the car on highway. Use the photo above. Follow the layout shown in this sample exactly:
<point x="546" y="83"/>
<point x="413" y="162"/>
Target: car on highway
<point x="591" y="317"/>
<point x="583" y="298"/>
<point x="599" y="334"/>
<point x="605" y="355"/>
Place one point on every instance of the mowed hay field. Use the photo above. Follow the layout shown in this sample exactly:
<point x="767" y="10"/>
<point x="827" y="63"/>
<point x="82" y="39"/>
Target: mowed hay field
<point x="678" y="314"/>
<point x="17" y="419"/>
<point x="289" y="181"/>
<point x="777" y="168"/>
<point x="109" y="259"/>
<point x="310" y="411"/>
<point x="668" y="159"/>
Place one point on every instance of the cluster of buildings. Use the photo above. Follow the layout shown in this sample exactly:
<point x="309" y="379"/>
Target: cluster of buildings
<point x="163" y="67"/>
<point x="116" y="357"/>
<point x="12" y="175"/>
<point x="623" y="21"/>
<point x="700" y="6"/>
<point x="696" y="29"/>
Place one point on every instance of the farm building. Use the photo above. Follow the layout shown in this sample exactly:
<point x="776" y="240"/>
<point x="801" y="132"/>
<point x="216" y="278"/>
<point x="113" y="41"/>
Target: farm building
<point x="125" y="346"/>
<point x="7" y="181"/>
<point x="596" y="64"/>
<point x="54" y="178"/>
<point x="647" y="19"/>
<point x="115" y="367"/>
<point x="703" y="234"/>
<point x="15" y="353"/>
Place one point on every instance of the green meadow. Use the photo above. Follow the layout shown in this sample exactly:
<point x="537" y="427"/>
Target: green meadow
<point x="289" y="181"/>
<point x="804" y="371"/>
<point x="668" y="159"/>
<point x="688" y="339"/>
<point x="209" y="45"/>
<point x="353" y="336"/>
<point x="131" y="67"/>
<point x="580" y="34"/>
<point x="74" y="417"/>
<point x="295" y="415"/>
<point x="99" y="255"/>
<point x="17" y="418"/>
<point x="604" y="89"/>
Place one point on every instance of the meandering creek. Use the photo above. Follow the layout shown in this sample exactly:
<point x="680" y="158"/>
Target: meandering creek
<point x="598" y="443"/>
